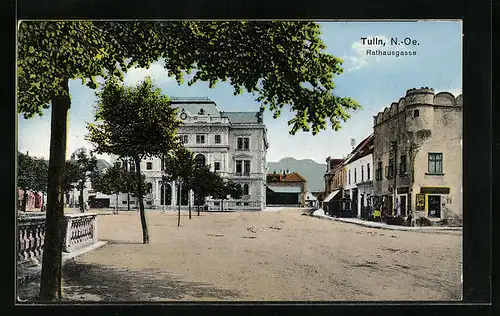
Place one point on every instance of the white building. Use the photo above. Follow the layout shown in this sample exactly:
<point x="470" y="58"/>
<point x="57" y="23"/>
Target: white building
<point x="359" y="172"/>
<point x="233" y="144"/>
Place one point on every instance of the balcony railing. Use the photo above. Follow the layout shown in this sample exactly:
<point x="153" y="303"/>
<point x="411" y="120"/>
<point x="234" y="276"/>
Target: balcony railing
<point x="80" y="231"/>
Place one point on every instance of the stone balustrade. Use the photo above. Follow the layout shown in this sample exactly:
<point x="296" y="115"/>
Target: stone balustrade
<point x="80" y="231"/>
<point x="31" y="232"/>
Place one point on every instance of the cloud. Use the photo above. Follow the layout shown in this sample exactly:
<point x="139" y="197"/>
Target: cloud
<point x="360" y="58"/>
<point x="156" y="71"/>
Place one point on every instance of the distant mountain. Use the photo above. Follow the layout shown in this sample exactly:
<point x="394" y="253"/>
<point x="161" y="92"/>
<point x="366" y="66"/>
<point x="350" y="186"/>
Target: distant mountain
<point x="309" y="169"/>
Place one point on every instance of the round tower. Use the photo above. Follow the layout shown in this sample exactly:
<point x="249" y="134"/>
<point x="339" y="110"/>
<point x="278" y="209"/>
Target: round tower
<point x="419" y="108"/>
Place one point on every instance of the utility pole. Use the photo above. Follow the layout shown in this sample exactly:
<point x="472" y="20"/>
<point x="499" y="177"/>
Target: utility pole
<point x="395" y="172"/>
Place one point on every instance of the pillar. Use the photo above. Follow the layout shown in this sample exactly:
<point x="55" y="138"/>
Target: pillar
<point x="174" y="193"/>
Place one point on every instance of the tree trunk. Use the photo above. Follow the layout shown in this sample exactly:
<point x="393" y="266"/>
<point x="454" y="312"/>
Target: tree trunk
<point x="128" y="200"/>
<point x="145" y="234"/>
<point x="179" y="212"/>
<point x="25" y="200"/>
<point x="80" y="199"/>
<point x="116" y="205"/>
<point x="51" y="277"/>
<point x="189" y="205"/>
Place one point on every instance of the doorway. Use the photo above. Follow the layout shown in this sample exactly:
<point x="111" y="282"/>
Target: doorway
<point x="434" y="206"/>
<point x="402" y="205"/>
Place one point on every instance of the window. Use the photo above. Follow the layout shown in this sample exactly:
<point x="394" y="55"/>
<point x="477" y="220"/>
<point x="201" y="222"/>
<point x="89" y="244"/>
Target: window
<point x="199" y="160"/>
<point x="217" y="166"/>
<point x="149" y="202"/>
<point x="378" y="172"/>
<point x="217" y="139"/>
<point x="245" y="204"/>
<point x="389" y="171"/>
<point x="435" y="163"/>
<point x="132" y="202"/>
<point x="247" y="167"/>
<point x="367" y="171"/>
<point x="349" y="176"/>
<point x="362" y="174"/>
<point x="124" y="202"/>
<point x="149" y="187"/>
<point x="355" y="180"/>
<point x="243" y="143"/>
<point x="243" y="167"/>
<point x="149" y="165"/>
<point x="200" y="139"/>
<point x="416" y="113"/>
<point x="402" y="165"/>
<point x="246" y="189"/>
<point x="183" y="139"/>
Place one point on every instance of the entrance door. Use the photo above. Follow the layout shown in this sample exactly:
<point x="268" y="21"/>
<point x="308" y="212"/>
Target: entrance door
<point x="434" y="205"/>
<point x="402" y="205"/>
<point x="363" y="208"/>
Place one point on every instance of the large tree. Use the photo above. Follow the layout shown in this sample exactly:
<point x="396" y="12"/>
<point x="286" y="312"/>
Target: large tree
<point x="32" y="174"/>
<point x="283" y="63"/>
<point x="135" y="122"/>
<point x="86" y="164"/>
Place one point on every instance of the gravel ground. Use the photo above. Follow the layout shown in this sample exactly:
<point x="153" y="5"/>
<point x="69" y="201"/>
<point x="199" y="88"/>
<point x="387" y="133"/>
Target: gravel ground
<point x="261" y="256"/>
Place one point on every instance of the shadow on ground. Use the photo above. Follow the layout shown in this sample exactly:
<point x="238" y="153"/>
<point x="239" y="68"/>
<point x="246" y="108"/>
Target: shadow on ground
<point x="92" y="282"/>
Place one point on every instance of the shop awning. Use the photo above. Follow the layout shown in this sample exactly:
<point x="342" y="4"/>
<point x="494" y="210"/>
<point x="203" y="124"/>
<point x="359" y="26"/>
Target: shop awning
<point x="331" y="196"/>
<point x="285" y="189"/>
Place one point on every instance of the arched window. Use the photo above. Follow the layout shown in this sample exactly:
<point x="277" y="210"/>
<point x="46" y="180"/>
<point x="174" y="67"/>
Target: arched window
<point x="150" y="187"/>
<point x="416" y="113"/>
<point x="200" y="160"/>
<point x="245" y="189"/>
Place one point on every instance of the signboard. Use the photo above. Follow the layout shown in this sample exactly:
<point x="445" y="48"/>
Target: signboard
<point x="435" y="190"/>
<point x="420" y="202"/>
<point x="403" y="190"/>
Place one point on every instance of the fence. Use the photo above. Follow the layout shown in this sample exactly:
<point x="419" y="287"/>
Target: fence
<point x="246" y="205"/>
<point x="80" y="231"/>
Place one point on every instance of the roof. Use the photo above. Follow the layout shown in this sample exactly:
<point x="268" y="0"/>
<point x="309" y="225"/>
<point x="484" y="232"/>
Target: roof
<point x="284" y="189"/>
<point x="242" y="117"/>
<point x="294" y="177"/>
<point x="194" y="108"/>
<point x="273" y="177"/>
<point x="362" y="149"/>
<point x="335" y="161"/>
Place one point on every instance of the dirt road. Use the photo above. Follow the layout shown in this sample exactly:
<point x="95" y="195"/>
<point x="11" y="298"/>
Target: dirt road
<point x="263" y="256"/>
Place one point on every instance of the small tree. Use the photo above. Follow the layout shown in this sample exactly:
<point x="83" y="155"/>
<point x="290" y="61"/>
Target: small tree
<point x="70" y="178"/>
<point x="86" y="164"/>
<point x="115" y="180"/>
<point x="203" y="182"/>
<point x="225" y="190"/>
<point x="135" y="122"/>
<point x="180" y="166"/>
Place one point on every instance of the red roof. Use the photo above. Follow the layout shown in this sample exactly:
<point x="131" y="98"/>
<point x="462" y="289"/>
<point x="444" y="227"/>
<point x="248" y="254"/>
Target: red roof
<point x="294" y="177"/>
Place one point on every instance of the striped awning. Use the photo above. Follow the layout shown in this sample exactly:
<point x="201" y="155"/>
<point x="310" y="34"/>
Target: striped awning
<point x="331" y="196"/>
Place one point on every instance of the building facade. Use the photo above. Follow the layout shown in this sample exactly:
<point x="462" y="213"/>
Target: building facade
<point x="286" y="189"/>
<point x="418" y="156"/>
<point x="335" y="176"/>
<point x="233" y="144"/>
<point x="358" y="185"/>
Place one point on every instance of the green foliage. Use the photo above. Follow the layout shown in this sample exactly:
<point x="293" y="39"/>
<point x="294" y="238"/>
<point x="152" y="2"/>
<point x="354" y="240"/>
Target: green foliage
<point x="203" y="181"/>
<point x="115" y="179"/>
<point x="133" y="121"/>
<point x="223" y="190"/>
<point x="282" y="63"/>
<point x="70" y="176"/>
<point x="85" y="165"/>
<point x="180" y="164"/>
<point x="32" y="173"/>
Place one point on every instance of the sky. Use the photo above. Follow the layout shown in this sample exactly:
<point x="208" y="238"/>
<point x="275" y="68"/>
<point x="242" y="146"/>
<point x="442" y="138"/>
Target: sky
<point x="373" y="81"/>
